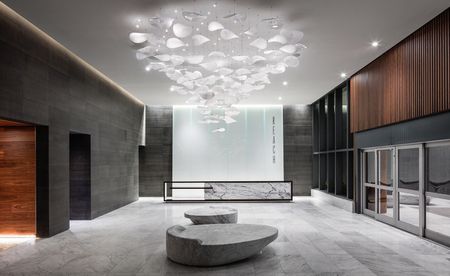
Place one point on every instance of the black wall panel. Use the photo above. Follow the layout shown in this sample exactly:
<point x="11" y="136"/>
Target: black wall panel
<point x="155" y="159"/>
<point x="297" y="132"/>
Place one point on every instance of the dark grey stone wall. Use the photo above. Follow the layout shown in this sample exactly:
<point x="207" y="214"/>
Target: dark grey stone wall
<point x="297" y="123"/>
<point x="43" y="83"/>
<point x="155" y="159"/>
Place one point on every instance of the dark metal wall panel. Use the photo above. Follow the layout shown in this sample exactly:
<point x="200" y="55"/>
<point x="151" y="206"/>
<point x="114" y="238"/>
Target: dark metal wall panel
<point x="409" y="81"/>
<point x="155" y="158"/>
<point x="43" y="83"/>
<point x="297" y="133"/>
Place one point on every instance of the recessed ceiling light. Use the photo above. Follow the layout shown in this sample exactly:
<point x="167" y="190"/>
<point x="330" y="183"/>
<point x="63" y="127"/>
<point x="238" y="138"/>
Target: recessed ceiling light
<point x="137" y="26"/>
<point x="375" y="44"/>
<point x="343" y="75"/>
<point x="285" y="83"/>
<point x="214" y="5"/>
<point x="280" y="98"/>
<point x="175" y="11"/>
<point x="147" y="68"/>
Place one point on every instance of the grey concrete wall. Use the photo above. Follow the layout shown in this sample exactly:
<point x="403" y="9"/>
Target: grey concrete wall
<point x="43" y="83"/>
<point x="297" y="124"/>
<point x="155" y="159"/>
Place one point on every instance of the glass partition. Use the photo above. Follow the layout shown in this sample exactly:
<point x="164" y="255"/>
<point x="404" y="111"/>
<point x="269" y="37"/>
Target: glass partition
<point x="438" y="192"/>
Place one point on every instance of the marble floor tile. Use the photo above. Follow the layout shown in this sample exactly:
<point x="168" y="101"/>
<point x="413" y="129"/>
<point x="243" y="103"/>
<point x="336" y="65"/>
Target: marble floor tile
<point x="314" y="239"/>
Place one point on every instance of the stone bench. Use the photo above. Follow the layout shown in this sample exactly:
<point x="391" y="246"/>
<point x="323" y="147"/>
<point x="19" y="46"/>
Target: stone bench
<point x="212" y="215"/>
<point x="216" y="244"/>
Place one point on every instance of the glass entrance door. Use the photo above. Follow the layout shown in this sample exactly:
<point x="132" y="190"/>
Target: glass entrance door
<point x="392" y="186"/>
<point x="409" y="188"/>
<point x="437" y="192"/>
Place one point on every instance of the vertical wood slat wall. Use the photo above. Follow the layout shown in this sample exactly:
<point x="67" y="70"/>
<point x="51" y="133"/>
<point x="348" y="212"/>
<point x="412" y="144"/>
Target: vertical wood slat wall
<point x="409" y="81"/>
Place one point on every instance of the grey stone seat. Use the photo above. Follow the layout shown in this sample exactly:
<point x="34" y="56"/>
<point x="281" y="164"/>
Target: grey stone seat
<point x="212" y="215"/>
<point x="216" y="244"/>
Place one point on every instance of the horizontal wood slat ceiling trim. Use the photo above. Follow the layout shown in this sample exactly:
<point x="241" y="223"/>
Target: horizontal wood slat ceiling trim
<point x="409" y="81"/>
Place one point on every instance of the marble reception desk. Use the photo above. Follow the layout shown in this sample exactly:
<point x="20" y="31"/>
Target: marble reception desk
<point x="228" y="191"/>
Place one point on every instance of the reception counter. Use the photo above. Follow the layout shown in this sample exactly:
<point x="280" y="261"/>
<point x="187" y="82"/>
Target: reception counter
<point x="228" y="191"/>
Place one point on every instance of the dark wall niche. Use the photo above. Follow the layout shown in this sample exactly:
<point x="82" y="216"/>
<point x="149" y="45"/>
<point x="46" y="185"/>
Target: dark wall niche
<point x="80" y="176"/>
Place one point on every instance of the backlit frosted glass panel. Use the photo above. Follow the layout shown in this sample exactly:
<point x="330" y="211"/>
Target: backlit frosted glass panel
<point x="249" y="149"/>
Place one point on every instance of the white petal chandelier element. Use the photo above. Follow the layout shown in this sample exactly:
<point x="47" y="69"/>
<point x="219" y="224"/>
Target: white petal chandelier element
<point x="173" y="43"/>
<point x="194" y="16"/>
<point x="181" y="30"/>
<point x="199" y="39"/>
<point x="214" y="26"/>
<point x="290" y="49"/>
<point x="259" y="43"/>
<point x="227" y="34"/>
<point x="138" y="38"/>
<point x="217" y="61"/>
<point x="278" y="39"/>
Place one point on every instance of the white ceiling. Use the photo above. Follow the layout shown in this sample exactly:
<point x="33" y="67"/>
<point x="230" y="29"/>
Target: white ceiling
<point x="337" y="32"/>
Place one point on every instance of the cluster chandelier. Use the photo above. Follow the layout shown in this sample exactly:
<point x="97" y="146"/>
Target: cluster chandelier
<point x="217" y="57"/>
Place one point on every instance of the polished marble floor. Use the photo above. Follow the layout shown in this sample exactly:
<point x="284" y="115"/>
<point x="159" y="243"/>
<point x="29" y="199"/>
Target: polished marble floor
<point x="314" y="239"/>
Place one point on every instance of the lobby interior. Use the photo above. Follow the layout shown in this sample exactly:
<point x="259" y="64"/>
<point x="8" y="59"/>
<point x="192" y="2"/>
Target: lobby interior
<point x="199" y="137"/>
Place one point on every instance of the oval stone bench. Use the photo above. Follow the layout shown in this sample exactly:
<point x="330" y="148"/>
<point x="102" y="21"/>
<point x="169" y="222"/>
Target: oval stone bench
<point x="212" y="215"/>
<point x="216" y="244"/>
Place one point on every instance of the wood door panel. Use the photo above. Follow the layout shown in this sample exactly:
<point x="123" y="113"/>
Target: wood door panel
<point x="17" y="180"/>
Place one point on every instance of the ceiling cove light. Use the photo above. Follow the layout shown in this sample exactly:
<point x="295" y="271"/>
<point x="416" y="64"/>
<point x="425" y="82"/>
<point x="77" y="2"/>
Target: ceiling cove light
<point x="219" y="66"/>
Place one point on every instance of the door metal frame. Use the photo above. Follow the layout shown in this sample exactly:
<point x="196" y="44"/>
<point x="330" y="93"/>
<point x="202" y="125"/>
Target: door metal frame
<point x="363" y="180"/>
<point x="421" y="230"/>
<point x="417" y="230"/>
<point x="379" y="187"/>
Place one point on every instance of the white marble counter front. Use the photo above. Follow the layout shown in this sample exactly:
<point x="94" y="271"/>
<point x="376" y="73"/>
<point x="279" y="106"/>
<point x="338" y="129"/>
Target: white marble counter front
<point x="228" y="190"/>
<point x="249" y="191"/>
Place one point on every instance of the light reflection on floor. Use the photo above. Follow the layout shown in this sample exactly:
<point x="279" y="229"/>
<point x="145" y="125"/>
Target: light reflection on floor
<point x="8" y="241"/>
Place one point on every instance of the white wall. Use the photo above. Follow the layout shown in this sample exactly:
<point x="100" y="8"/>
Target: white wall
<point x="245" y="151"/>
